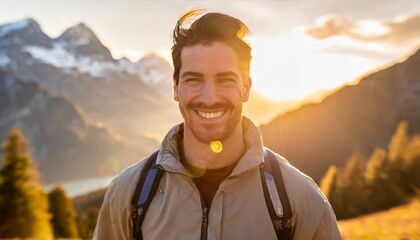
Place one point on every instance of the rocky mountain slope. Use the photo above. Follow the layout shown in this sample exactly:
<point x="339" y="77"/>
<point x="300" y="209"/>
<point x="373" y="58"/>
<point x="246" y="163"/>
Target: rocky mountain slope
<point x="356" y="118"/>
<point x="65" y="142"/>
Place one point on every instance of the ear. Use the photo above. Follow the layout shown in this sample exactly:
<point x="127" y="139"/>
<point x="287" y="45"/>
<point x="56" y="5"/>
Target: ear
<point x="246" y="89"/>
<point x="175" y="88"/>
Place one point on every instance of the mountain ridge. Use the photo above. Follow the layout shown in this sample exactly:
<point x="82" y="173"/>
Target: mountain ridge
<point x="80" y="39"/>
<point x="79" y="79"/>
<point x="356" y="118"/>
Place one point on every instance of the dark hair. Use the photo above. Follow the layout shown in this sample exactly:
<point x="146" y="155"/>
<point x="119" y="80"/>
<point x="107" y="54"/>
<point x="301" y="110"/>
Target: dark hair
<point x="207" y="29"/>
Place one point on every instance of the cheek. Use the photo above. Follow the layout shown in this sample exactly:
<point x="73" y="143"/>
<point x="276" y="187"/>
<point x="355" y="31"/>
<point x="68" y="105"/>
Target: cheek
<point x="235" y="93"/>
<point x="185" y="94"/>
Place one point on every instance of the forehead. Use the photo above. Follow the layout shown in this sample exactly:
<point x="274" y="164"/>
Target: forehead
<point x="214" y="57"/>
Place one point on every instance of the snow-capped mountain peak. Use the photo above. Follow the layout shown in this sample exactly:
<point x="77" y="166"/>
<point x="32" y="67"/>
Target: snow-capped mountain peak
<point x="27" y="23"/>
<point x="81" y="40"/>
<point x="78" y="35"/>
<point x="23" y="32"/>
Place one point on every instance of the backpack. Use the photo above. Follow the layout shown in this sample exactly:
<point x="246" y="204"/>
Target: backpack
<point x="273" y="186"/>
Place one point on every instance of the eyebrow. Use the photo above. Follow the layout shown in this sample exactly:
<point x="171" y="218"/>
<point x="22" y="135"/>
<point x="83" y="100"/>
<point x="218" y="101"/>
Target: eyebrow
<point x="193" y="74"/>
<point x="197" y="74"/>
<point x="226" y="74"/>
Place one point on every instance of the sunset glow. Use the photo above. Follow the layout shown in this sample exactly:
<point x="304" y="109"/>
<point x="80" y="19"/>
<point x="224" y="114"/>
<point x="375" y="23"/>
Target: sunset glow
<point x="284" y="69"/>
<point x="320" y="46"/>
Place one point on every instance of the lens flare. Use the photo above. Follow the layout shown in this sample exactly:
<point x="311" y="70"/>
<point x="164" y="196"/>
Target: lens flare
<point x="216" y="146"/>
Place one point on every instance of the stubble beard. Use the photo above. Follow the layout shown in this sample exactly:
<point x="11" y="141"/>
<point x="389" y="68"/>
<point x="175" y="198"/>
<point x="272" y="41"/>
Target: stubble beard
<point x="207" y="134"/>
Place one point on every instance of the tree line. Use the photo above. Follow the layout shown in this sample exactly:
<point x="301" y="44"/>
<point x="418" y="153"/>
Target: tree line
<point x="389" y="177"/>
<point x="26" y="211"/>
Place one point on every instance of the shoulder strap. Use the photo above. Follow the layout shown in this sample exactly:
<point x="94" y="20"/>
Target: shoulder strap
<point x="272" y="180"/>
<point x="146" y="188"/>
<point x="275" y="196"/>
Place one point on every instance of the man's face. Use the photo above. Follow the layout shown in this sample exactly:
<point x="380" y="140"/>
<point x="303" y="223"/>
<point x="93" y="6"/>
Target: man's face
<point x="210" y="91"/>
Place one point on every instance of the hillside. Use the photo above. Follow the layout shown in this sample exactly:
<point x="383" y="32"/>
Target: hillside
<point x="66" y="135"/>
<point x="356" y="118"/>
<point x="90" y="200"/>
<point x="262" y="109"/>
<point x="397" y="223"/>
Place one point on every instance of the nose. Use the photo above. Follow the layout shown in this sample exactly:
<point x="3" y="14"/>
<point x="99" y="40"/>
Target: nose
<point x="209" y="94"/>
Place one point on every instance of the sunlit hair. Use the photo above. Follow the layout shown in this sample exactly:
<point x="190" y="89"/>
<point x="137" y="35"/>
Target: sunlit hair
<point x="207" y="29"/>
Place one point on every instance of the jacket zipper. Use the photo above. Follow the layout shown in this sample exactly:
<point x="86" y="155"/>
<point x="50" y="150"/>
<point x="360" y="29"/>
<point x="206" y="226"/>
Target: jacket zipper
<point x="204" y="223"/>
<point x="206" y="210"/>
<point x="205" y="218"/>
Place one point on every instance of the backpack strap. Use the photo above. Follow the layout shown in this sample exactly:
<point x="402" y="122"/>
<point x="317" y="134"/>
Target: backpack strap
<point x="275" y="195"/>
<point x="271" y="177"/>
<point x="146" y="188"/>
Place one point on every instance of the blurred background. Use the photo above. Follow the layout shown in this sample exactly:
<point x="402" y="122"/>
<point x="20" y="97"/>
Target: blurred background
<point x="86" y="90"/>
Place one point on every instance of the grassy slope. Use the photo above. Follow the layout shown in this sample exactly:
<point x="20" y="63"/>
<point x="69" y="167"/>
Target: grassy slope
<point x="401" y="222"/>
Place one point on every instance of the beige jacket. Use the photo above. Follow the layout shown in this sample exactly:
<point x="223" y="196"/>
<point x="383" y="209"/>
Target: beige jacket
<point x="238" y="210"/>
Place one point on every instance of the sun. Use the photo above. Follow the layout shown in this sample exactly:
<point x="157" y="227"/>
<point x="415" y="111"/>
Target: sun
<point x="293" y="68"/>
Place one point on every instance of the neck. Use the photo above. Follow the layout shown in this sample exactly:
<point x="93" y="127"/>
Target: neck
<point x="201" y="154"/>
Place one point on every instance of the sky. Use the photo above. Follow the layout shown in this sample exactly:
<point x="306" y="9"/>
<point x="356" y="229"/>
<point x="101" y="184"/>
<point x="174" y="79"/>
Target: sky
<point x="300" y="47"/>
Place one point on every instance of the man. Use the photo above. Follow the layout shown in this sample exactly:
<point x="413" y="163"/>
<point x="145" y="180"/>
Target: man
<point x="212" y="186"/>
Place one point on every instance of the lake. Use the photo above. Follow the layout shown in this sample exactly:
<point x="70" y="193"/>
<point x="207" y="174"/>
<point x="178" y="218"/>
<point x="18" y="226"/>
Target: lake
<point x="82" y="186"/>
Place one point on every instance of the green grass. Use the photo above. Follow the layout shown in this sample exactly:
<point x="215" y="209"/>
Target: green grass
<point x="400" y="223"/>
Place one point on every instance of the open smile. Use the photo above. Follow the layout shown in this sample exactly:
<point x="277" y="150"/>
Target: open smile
<point x="210" y="115"/>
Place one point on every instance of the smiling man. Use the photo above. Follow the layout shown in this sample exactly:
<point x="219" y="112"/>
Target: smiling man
<point x="212" y="178"/>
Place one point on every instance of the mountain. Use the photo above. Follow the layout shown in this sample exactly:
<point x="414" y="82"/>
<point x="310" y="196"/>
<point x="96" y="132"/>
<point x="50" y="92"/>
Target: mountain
<point x="356" y="118"/>
<point x="262" y="109"/>
<point x="26" y="31"/>
<point x="131" y="101"/>
<point x="153" y="70"/>
<point x="81" y="40"/>
<point x="57" y="130"/>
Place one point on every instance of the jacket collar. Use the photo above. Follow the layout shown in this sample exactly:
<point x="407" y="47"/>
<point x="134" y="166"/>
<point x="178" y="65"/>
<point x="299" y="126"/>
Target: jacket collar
<point x="169" y="159"/>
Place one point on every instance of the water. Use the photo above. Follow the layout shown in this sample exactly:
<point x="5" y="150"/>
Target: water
<point x="78" y="187"/>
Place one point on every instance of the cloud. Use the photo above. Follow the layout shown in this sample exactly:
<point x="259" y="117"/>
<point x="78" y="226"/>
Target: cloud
<point x="403" y="29"/>
<point x="400" y="30"/>
<point x="329" y="26"/>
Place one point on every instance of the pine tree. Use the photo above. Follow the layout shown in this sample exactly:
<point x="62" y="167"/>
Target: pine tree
<point x="352" y="186"/>
<point x="376" y="166"/>
<point x="411" y="167"/>
<point x="399" y="142"/>
<point x="63" y="214"/>
<point x="87" y="222"/>
<point x="397" y="148"/>
<point x="23" y="204"/>
<point x="333" y="188"/>
<point x="379" y="184"/>
<point x="329" y="184"/>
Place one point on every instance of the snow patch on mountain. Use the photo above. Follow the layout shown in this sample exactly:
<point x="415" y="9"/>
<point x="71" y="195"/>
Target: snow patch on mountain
<point x="4" y="60"/>
<point x="56" y="55"/>
<point x="8" y="28"/>
<point x="94" y="67"/>
<point x="152" y="69"/>
<point x="59" y="57"/>
<point x="15" y="117"/>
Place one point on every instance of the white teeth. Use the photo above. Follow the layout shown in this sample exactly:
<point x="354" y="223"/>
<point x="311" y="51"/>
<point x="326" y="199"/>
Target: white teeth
<point x="210" y="115"/>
